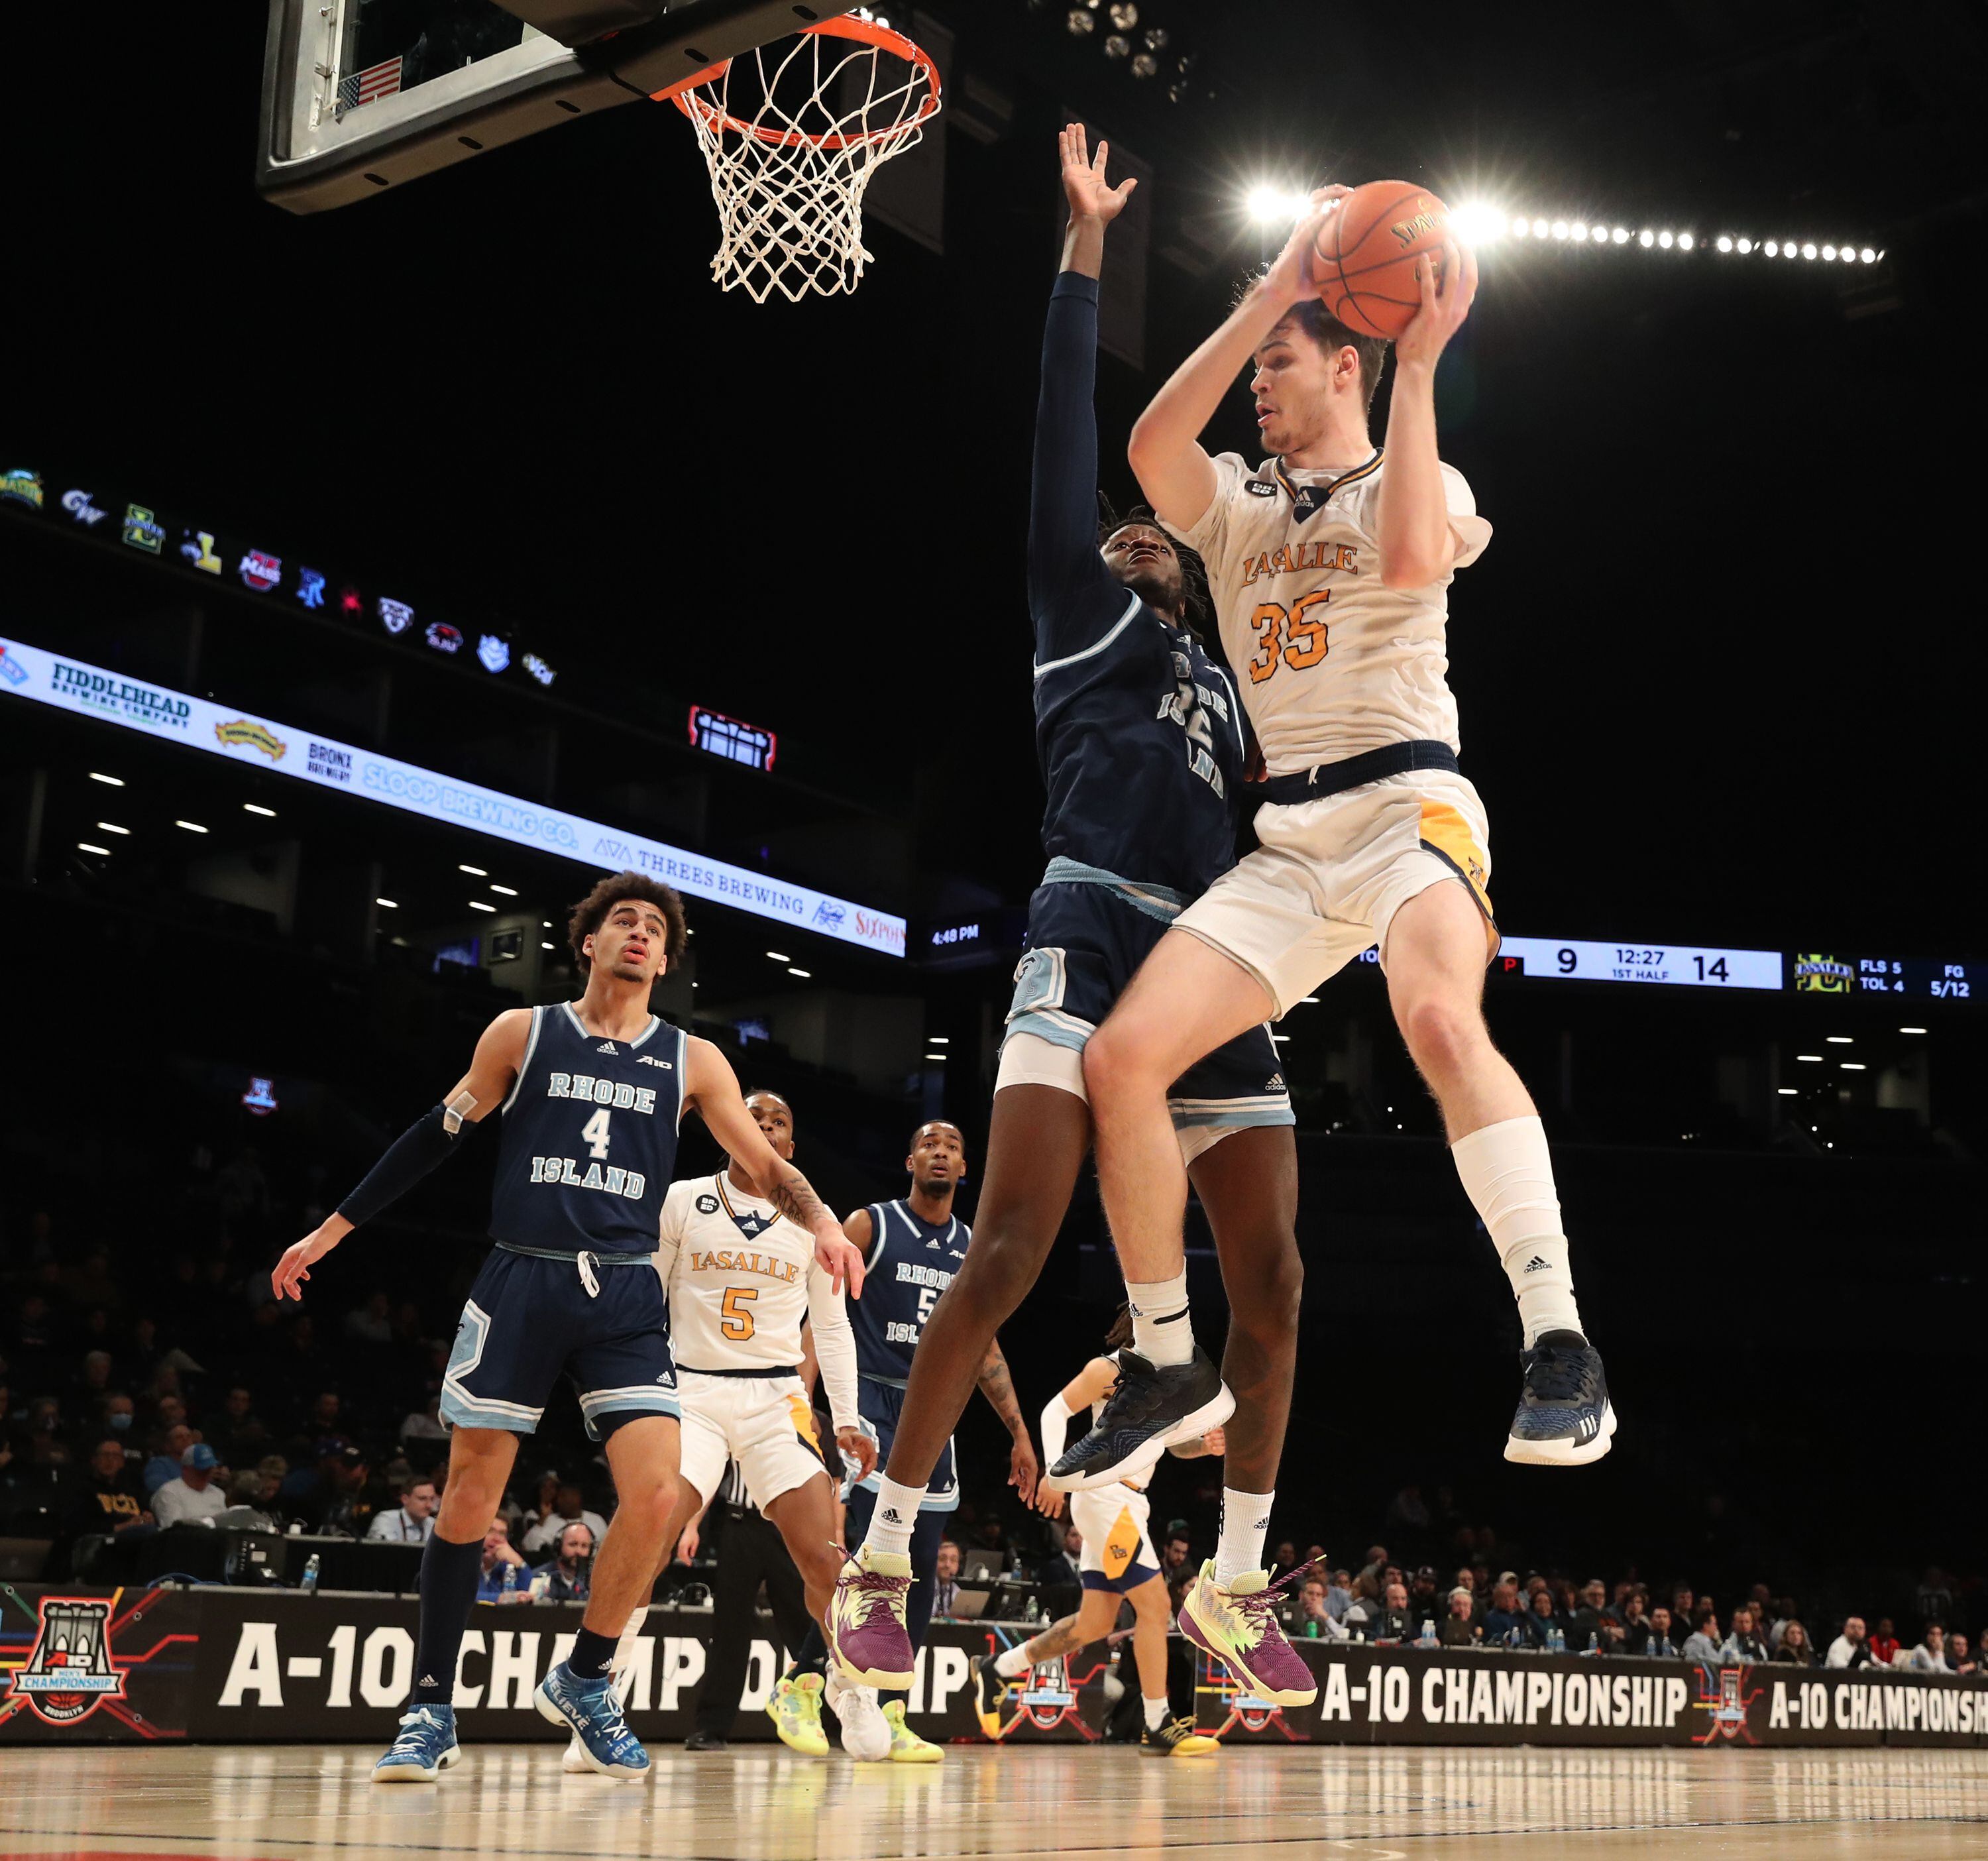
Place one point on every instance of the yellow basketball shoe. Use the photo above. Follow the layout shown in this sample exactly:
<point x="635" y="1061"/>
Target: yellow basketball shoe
<point x="906" y="1746"/>
<point x="795" y="1710"/>
<point x="1236" y="1623"/>
<point x="1176" y="1738"/>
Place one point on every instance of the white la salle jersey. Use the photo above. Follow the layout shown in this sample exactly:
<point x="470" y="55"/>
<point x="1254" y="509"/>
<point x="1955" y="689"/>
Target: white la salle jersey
<point x="740" y="1280"/>
<point x="1329" y="661"/>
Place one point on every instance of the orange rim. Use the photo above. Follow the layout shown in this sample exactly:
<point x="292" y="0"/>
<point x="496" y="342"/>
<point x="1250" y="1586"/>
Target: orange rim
<point x="845" y="26"/>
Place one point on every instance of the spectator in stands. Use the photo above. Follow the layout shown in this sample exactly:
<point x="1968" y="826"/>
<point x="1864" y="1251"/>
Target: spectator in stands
<point x="165" y="1464"/>
<point x="196" y="1494"/>
<point x="320" y="1423"/>
<point x="1284" y="1554"/>
<point x="1310" y="1614"/>
<point x="1745" y="1642"/>
<point x="425" y="1425"/>
<point x="1175" y="1553"/>
<point x="1458" y="1630"/>
<point x="1684" y="1605"/>
<point x="1389" y="1622"/>
<point x="1592" y="1625"/>
<point x="1633" y="1629"/>
<point x="1062" y="1570"/>
<point x="1929" y="1656"/>
<point x="1703" y="1644"/>
<point x="1503" y="1620"/>
<point x="1793" y="1645"/>
<point x="1338" y="1594"/>
<point x="109" y="1501"/>
<point x="499" y="1552"/>
<point x="333" y="1500"/>
<point x="412" y="1520"/>
<point x="567" y="1508"/>
<point x="1851" y="1648"/>
<point x="372" y="1323"/>
<point x="1662" y="1644"/>
<point x="1541" y="1621"/>
<point x="1959" y="1656"/>
<point x="945" y="1581"/>
<point x="240" y="1437"/>
<point x="571" y="1571"/>
<point x="1427" y="1600"/>
<point x="1884" y="1643"/>
<point x="120" y="1414"/>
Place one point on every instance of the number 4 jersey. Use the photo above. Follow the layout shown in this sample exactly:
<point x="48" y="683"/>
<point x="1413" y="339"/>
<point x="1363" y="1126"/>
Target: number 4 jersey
<point x="589" y="1138"/>
<point x="1329" y="661"/>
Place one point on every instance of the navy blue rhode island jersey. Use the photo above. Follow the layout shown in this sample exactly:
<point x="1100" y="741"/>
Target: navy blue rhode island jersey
<point x="911" y="1262"/>
<point x="1140" y="737"/>
<point x="588" y="1143"/>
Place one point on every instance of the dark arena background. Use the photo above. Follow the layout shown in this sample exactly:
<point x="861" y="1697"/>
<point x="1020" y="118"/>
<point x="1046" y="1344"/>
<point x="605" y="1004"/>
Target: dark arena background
<point x="386" y="555"/>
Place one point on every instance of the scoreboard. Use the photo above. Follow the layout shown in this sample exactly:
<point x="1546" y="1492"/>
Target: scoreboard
<point x="1811" y="971"/>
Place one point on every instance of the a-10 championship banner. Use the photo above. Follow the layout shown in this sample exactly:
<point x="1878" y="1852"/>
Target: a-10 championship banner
<point x="1416" y="1695"/>
<point x="239" y="1666"/>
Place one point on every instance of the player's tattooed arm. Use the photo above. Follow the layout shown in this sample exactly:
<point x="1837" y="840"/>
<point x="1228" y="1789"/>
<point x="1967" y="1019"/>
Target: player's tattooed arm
<point x="711" y="1088"/>
<point x="998" y="1385"/>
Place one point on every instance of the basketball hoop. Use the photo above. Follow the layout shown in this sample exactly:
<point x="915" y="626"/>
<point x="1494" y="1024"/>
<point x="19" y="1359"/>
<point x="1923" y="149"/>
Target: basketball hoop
<point x="791" y="138"/>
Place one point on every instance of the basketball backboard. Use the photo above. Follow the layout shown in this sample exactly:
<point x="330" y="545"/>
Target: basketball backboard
<point x="362" y="96"/>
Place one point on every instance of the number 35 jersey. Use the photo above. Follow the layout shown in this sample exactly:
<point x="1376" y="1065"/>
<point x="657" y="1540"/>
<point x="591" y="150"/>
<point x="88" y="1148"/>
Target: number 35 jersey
<point x="1329" y="661"/>
<point x="589" y="1138"/>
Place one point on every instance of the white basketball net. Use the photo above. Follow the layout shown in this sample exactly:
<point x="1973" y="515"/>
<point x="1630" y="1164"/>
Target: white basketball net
<point x="791" y="135"/>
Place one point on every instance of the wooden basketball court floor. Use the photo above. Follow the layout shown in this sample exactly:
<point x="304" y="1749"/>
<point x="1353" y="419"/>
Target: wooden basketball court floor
<point x="1045" y="1803"/>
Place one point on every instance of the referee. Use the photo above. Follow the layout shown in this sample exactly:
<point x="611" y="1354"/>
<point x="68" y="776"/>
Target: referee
<point x="750" y="1552"/>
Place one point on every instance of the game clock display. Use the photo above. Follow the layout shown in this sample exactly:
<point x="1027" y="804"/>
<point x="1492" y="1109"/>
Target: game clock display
<point x="1572" y="960"/>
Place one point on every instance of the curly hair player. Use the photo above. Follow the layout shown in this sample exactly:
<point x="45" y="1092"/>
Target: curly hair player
<point x="592" y="1092"/>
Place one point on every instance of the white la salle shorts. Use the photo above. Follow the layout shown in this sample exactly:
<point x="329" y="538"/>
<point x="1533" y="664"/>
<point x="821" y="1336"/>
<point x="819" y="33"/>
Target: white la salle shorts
<point x="1117" y="1552"/>
<point x="764" y="1421"/>
<point x="1329" y="876"/>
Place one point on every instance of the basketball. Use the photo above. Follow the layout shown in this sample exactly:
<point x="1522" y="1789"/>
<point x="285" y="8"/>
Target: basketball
<point x="1365" y="257"/>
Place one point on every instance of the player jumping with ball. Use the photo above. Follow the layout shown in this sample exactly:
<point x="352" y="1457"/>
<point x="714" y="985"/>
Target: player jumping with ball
<point x="1330" y="565"/>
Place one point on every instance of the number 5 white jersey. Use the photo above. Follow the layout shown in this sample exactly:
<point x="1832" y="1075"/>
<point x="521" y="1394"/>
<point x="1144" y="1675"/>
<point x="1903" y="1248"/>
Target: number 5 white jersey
<point x="1329" y="661"/>
<point x="741" y="1278"/>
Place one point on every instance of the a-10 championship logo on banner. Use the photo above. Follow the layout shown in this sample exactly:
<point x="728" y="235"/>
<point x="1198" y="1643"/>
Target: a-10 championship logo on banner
<point x="67" y="1673"/>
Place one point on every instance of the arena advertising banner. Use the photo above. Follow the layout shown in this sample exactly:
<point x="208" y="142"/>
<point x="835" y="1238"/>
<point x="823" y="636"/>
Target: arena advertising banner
<point x="90" y="691"/>
<point x="239" y="1665"/>
<point x="221" y="1665"/>
<point x="1415" y="1696"/>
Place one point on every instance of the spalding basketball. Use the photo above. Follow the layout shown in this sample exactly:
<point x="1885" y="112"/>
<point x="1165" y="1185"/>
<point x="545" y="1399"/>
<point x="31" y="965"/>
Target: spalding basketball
<point x="1365" y="258"/>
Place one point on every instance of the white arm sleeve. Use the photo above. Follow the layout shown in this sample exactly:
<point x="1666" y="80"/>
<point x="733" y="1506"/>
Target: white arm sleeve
<point x="834" y="1347"/>
<point x="1055" y="1425"/>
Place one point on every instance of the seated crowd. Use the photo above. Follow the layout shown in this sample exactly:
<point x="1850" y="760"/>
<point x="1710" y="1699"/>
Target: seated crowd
<point x="115" y="1424"/>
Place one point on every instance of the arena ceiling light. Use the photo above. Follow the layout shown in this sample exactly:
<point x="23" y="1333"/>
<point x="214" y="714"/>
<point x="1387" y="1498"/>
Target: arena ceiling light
<point x="110" y="827"/>
<point x="509" y="891"/>
<point x="939" y="1039"/>
<point x="475" y="872"/>
<point x="387" y="904"/>
<point x="778" y="956"/>
<point x="192" y="827"/>
<point x="1912" y="1030"/>
<point x="544" y="946"/>
<point x="83" y="846"/>
<point x="256" y="808"/>
<point x="805" y="975"/>
<point x="478" y="904"/>
<point x="1810" y="1059"/>
<point x="1485" y="223"/>
<point x="108" y="781"/>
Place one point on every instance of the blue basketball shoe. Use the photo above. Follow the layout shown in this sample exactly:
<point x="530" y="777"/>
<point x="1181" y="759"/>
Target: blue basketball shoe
<point x="1153" y="1406"/>
<point x="591" y="1709"/>
<point x="425" y="1748"/>
<point x="1564" y="1418"/>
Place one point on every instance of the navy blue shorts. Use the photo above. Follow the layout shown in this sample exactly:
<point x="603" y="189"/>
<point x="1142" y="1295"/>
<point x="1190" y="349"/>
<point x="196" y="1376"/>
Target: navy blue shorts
<point x="878" y="1407"/>
<point x="529" y="1318"/>
<point x="1085" y="943"/>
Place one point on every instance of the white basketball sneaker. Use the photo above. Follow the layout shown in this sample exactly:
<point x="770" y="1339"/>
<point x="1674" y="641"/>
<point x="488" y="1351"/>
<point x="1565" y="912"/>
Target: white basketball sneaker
<point x="866" y="1734"/>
